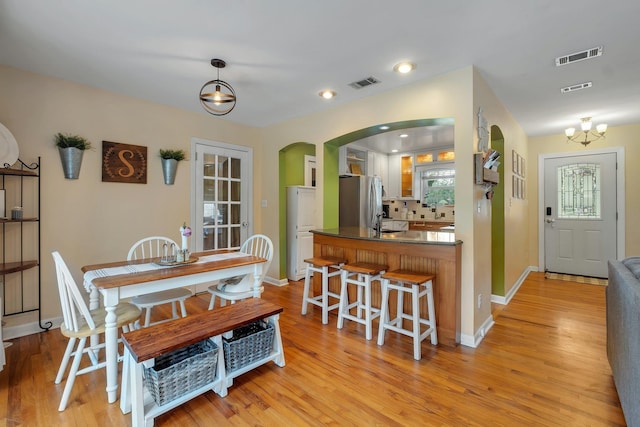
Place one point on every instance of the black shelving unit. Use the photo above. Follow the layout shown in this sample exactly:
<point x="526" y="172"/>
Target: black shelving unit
<point x="18" y="260"/>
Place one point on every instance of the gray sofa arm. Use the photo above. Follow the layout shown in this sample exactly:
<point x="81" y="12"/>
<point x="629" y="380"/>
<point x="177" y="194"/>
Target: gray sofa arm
<point x="623" y="334"/>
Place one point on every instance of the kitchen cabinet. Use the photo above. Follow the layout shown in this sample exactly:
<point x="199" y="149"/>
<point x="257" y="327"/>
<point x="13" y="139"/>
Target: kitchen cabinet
<point x="393" y="181"/>
<point x="406" y="176"/>
<point x="20" y="268"/>
<point x="301" y="214"/>
<point x="352" y="161"/>
<point x="378" y="165"/>
<point x="441" y="155"/>
<point x="401" y="177"/>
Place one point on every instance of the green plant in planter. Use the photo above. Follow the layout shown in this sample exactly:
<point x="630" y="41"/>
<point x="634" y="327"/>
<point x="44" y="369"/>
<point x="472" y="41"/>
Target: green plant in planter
<point x="170" y="159"/>
<point x="172" y="154"/>
<point x="72" y="141"/>
<point x="71" y="149"/>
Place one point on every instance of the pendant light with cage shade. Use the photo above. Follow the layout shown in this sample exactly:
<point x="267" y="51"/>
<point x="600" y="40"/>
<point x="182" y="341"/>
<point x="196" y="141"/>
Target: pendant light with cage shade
<point x="217" y="96"/>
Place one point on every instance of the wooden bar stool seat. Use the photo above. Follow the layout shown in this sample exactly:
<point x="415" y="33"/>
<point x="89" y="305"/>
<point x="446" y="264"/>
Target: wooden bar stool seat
<point x="418" y="285"/>
<point x="359" y="274"/>
<point x="329" y="267"/>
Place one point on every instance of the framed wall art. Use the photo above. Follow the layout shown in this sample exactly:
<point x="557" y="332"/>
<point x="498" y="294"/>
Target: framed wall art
<point x="124" y="163"/>
<point x="518" y="182"/>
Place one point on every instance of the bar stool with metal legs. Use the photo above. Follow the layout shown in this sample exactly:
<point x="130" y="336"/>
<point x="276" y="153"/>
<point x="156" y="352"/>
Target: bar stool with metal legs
<point x="364" y="274"/>
<point x="328" y="267"/>
<point x="417" y="285"/>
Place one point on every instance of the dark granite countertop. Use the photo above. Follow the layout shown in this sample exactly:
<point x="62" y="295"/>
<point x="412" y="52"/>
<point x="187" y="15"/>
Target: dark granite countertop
<point x="442" y="237"/>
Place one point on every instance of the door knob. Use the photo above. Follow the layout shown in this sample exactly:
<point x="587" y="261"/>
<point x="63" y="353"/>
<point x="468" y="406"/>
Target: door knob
<point x="549" y="220"/>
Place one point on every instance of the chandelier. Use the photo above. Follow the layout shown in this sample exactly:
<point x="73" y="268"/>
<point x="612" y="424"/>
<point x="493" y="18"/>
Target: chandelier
<point x="222" y="99"/>
<point x="587" y="134"/>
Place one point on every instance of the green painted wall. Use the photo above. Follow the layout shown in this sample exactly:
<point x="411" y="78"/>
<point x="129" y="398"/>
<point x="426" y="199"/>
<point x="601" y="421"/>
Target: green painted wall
<point x="497" y="219"/>
<point x="330" y="203"/>
<point x="290" y="172"/>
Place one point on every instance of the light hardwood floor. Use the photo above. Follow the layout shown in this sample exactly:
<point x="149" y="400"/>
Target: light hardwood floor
<point x="542" y="364"/>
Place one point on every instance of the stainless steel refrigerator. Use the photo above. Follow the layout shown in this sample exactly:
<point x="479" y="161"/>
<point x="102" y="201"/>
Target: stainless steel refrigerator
<point x="360" y="200"/>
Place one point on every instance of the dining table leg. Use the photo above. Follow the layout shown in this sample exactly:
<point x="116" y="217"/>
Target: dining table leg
<point x="94" y="303"/>
<point x="111" y="345"/>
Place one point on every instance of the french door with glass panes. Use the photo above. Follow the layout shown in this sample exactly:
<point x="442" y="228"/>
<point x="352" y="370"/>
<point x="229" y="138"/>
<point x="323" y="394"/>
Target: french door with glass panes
<point x="222" y="199"/>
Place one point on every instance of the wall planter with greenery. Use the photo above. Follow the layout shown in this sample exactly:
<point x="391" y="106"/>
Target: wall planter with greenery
<point x="170" y="159"/>
<point x="71" y="149"/>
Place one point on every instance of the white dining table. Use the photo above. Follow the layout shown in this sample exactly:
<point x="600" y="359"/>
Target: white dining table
<point x="117" y="281"/>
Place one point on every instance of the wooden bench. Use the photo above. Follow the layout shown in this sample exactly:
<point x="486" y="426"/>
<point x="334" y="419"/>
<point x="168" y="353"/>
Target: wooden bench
<point x="142" y="346"/>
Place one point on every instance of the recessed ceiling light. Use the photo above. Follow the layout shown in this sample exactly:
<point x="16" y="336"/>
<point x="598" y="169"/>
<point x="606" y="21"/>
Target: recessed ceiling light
<point x="404" y="135"/>
<point x="394" y="151"/>
<point x="327" y="94"/>
<point x="384" y="127"/>
<point x="404" y="67"/>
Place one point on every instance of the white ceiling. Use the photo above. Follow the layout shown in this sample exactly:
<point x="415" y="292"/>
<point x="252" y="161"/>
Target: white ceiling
<point x="281" y="53"/>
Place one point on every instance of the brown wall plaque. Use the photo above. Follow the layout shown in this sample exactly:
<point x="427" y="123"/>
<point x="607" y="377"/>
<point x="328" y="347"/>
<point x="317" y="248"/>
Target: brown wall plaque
<point x="124" y="163"/>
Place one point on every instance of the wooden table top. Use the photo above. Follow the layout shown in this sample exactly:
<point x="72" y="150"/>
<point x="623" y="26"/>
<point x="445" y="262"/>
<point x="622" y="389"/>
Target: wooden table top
<point x="168" y="272"/>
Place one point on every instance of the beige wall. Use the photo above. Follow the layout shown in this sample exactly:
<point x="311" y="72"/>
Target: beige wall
<point x="619" y="136"/>
<point x="448" y="95"/>
<point x="87" y="220"/>
<point x="516" y="214"/>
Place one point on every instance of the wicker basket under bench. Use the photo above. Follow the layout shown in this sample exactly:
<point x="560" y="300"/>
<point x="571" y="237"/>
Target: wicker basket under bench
<point x="188" y="341"/>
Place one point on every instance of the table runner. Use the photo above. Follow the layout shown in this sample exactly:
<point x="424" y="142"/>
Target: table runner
<point x="89" y="276"/>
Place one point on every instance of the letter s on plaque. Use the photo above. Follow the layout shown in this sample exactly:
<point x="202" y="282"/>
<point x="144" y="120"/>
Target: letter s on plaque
<point x="124" y="163"/>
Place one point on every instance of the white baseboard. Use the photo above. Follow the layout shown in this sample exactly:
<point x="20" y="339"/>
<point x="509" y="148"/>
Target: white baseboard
<point x="17" y="331"/>
<point x="276" y="282"/>
<point x="476" y="339"/>
<point x="504" y="300"/>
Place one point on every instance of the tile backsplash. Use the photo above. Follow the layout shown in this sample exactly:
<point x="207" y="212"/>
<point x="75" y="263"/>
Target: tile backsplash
<point x="441" y="213"/>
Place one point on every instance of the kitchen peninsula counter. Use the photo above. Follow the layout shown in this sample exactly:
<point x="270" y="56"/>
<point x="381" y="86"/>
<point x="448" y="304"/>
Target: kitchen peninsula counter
<point x="433" y="252"/>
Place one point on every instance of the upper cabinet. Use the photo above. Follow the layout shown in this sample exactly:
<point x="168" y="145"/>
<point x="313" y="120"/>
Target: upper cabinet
<point x="401" y="171"/>
<point x="404" y="180"/>
<point x="395" y="175"/>
<point x="406" y="176"/>
<point x="352" y="161"/>
<point x="378" y="165"/>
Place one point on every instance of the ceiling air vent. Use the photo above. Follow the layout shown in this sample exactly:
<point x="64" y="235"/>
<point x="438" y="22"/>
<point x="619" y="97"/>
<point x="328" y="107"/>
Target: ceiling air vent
<point x="364" y="82"/>
<point x="579" y="86"/>
<point x="579" y="56"/>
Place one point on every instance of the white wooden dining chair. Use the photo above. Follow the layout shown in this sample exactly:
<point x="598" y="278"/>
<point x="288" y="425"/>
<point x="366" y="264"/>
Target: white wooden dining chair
<point x="80" y="323"/>
<point x="240" y="287"/>
<point x="151" y="247"/>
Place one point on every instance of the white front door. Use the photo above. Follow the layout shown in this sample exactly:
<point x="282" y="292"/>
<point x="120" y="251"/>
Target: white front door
<point x="221" y="200"/>
<point x="579" y="215"/>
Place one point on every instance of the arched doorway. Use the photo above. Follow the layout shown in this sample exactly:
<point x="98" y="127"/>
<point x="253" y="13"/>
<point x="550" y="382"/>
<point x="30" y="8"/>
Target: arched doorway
<point x="291" y="171"/>
<point x="331" y="157"/>
<point x="498" y="219"/>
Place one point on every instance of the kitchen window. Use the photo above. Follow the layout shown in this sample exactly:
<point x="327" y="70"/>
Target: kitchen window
<point x="437" y="184"/>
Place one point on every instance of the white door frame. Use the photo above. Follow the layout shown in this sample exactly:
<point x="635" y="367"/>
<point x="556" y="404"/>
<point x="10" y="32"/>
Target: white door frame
<point x="620" y="197"/>
<point x="194" y="174"/>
